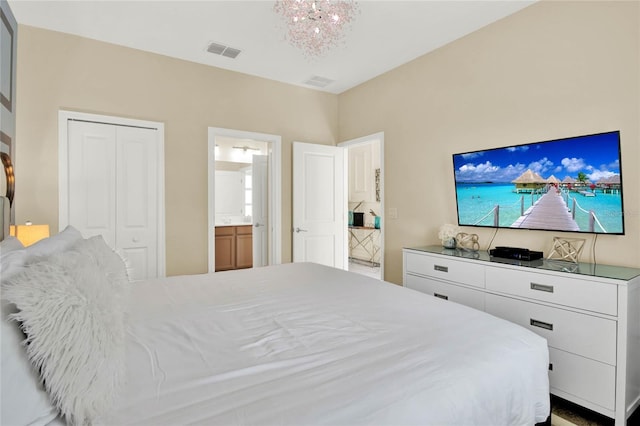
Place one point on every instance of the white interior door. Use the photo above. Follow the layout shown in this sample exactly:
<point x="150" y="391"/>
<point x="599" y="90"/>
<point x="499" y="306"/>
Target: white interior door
<point x="319" y="205"/>
<point x="113" y="189"/>
<point x="260" y="206"/>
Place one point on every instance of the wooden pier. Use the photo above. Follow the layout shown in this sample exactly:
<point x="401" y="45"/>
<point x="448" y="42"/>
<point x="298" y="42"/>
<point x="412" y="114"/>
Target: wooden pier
<point x="549" y="212"/>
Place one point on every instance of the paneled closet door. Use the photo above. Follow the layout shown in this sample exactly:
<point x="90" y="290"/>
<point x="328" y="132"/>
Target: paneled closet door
<point x="92" y="179"/>
<point x="113" y="189"/>
<point x="137" y="198"/>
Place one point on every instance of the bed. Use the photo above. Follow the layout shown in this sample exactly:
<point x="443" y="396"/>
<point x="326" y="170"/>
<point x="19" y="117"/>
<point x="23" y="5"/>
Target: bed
<point x="291" y="344"/>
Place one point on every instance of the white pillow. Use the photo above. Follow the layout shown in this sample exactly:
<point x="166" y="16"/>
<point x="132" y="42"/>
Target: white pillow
<point x="12" y="257"/>
<point x="71" y="309"/>
<point x="24" y="401"/>
<point x="11" y="263"/>
<point x="13" y="254"/>
<point x="55" y="243"/>
<point x="110" y="262"/>
<point x="10" y="244"/>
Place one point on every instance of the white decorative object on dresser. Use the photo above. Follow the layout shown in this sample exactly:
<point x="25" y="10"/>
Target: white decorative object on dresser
<point x="589" y="314"/>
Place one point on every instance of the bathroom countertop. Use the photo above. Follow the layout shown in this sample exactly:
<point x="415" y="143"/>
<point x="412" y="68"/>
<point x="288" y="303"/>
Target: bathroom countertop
<point x="233" y="223"/>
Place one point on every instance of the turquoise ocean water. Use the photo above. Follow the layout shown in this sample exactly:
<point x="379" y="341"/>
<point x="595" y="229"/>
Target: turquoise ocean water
<point x="476" y="200"/>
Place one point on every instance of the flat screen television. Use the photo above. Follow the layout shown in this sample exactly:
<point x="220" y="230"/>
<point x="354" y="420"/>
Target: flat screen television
<point x="572" y="184"/>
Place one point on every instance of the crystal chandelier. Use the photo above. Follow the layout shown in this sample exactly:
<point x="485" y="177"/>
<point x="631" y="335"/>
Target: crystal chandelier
<point x="316" y="25"/>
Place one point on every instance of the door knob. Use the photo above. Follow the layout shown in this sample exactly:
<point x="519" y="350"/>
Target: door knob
<point x="135" y="239"/>
<point x="300" y="230"/>
<point x="258" y="225"/>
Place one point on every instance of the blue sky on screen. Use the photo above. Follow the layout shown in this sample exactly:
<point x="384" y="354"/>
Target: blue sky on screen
<point x="597" y="156"/>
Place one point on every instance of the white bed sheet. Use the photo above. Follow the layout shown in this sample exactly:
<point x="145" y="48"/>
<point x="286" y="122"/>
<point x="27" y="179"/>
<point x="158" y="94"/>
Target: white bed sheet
<point x="301" y="344"/>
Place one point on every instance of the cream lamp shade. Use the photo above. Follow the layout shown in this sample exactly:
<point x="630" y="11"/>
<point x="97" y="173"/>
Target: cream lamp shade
<point x="29" y="233"/>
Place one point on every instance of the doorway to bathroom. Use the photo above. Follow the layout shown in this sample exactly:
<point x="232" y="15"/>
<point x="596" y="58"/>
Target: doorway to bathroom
<point x="244" y="199"/>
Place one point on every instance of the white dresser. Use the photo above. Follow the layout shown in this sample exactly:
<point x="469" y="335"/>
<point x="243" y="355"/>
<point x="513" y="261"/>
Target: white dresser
<point x="589" y="314"/>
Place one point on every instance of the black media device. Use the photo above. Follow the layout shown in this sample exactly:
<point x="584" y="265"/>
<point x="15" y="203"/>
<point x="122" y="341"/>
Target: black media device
<point x="515" y="253"/>
<point x="358" y="219"/>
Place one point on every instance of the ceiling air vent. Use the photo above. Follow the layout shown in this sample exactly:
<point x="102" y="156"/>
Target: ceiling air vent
<point x="221" y="49"/>
<point x="317" y="81"/>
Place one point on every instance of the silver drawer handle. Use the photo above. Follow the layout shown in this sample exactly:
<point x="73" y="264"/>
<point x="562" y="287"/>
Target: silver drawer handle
<point x="541" y="324"/>
<point x="441" y="296"/>
<point x="542" y="287"/>
<point x="441" y="268"/>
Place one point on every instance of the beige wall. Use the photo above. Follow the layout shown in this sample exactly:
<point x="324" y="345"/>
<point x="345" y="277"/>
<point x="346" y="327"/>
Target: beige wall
<point x="555" y="69"/>
<point x="58" y="71"/>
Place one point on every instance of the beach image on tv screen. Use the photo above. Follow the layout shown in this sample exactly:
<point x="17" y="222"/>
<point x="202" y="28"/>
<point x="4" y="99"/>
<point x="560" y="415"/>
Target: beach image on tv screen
<point x="571" y="184"/>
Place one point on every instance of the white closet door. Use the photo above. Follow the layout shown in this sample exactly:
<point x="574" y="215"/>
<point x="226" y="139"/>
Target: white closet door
<point x="92" y="179"/>
<point x="113" y="189"/>
<point x="137" y="199"/>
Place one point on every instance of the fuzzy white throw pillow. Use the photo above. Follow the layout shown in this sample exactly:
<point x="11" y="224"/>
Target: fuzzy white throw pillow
<point x="71" y="307"/>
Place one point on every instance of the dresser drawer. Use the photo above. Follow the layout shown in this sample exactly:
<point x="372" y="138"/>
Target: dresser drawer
<point x="584" y="378"/>
<point x="574" y="292"/>
<point x="454" y="293"/>
<point x="581" y="334"/>
<point x="445" y="269"/>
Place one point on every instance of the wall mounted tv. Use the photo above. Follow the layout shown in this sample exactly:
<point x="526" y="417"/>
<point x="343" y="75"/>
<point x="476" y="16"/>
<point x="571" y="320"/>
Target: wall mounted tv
<point x="571" y="184"/>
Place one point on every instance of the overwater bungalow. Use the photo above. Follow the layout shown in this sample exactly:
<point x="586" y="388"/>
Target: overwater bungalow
<point x="609" y="185"/>
<point x="529" y="181"/>
<point x="552" y="180"/>
<point x="568" y="182"/>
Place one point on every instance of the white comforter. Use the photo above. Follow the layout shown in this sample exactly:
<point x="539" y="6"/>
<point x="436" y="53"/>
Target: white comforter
<point x="301" y="344"/>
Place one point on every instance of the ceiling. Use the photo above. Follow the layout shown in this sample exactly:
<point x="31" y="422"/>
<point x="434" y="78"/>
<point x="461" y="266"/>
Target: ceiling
<point x="384" y="34"/>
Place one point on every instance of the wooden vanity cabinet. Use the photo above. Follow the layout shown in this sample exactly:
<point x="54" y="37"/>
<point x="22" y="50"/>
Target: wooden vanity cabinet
<point x="234" y="247"/>
<point x="244" y="247"/>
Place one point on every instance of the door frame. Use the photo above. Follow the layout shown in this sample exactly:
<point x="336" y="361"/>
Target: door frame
<point x="362" y="141"/>
<point x="275" y="190"/>
<point x="63" y="168"/>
